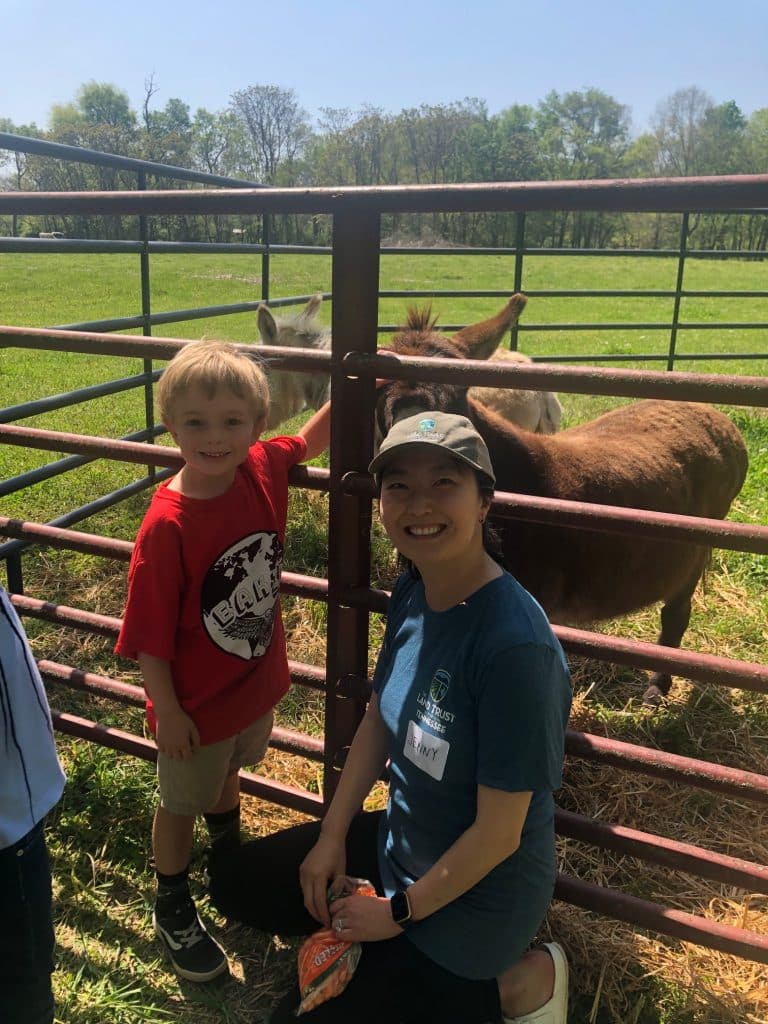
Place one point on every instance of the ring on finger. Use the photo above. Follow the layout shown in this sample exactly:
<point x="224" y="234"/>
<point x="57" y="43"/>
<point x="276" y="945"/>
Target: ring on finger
<point x="339" y="924"/>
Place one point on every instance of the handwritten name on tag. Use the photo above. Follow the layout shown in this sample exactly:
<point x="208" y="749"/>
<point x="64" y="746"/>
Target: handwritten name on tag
<point x="426" y="751"/>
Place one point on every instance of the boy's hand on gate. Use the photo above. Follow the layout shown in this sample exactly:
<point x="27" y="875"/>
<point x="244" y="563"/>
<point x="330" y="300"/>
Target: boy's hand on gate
<point x="177" y="735"/>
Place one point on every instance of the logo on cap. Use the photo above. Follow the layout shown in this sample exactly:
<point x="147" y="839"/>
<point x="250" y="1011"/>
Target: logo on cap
<point x="425" y="431"/>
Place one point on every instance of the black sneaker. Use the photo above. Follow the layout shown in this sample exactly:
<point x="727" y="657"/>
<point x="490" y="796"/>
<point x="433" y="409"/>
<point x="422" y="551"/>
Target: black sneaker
<point x="194" y="954"/>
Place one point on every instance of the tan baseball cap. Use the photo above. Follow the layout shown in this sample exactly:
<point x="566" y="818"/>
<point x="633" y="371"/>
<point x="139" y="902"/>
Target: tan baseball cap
<point x="454" y="434"/>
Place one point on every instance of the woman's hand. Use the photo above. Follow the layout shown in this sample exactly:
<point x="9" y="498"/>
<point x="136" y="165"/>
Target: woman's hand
<point x="177" y="734"/>
<point x="325" y="861"/>
<point x="363" y="919"/>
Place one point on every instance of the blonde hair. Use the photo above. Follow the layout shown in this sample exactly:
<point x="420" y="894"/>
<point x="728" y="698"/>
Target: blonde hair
<point x="211" y="365"/>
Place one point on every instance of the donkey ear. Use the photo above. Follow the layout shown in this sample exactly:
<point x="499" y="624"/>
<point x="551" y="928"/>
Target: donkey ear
<point x="267" y="325"/>
<point x="480" y="341"/>
<point x="313" y="305"/>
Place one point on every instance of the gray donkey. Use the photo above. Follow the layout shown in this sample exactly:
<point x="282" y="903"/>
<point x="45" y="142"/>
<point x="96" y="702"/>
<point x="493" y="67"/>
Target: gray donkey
<point x="290" y="392"/>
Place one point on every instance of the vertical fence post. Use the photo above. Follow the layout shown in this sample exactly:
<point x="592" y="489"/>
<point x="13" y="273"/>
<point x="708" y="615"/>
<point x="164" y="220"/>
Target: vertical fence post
<point x="678" y="289"/>
<point x="518" y="284"/>
<point x="146" y="311"/>
<point x="355" y="285"/>
<point x="265" y="232"/>
<point x="15" y="573"/>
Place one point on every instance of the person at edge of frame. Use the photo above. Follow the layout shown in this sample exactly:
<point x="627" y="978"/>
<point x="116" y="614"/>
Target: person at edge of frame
<point x="31" y="783"/>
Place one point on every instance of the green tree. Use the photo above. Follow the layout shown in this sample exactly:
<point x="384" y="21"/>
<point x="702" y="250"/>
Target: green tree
<point x="15" y="159"/>
<point x="515" y="154"/>
<point x="215" y="148"/>
<point x="100" y="118"/>
<point x="500" y="148"/>
<point x="168" y="134"/>
<point x="434" y="137"/>
<point x="756" y="142"/>
<point x="755" y="226"/>
<point x="274" y="126"/>
<point x="328" y="154"/>
<point x="16" y="179"/>
<point x="678" y="123"/>
<point x="582" y="135"/>
<point x="216" y="142"/>
<point x="722" y="142"/>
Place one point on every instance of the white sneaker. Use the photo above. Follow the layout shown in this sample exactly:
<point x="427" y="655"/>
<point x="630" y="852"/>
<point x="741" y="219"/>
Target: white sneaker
<point x="555" y="1010"/>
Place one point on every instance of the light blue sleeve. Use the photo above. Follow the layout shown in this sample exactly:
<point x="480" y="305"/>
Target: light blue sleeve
<point x="31" y="779"/>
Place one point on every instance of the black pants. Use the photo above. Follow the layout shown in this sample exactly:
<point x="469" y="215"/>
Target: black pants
<point x="395" y="983"/>
<point x="26" y="932"/>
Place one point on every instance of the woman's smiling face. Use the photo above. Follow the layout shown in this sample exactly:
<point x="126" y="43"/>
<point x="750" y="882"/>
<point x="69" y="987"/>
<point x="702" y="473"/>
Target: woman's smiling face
<point x="431" y="506"/>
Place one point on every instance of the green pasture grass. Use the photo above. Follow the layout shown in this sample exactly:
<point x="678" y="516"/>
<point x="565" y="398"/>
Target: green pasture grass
<point x="52" y="289"/>
<point x="110" y="966"/>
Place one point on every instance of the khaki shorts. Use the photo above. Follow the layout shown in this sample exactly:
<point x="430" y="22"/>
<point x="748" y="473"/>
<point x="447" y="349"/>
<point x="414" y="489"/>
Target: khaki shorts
<point x="193" y="786"/>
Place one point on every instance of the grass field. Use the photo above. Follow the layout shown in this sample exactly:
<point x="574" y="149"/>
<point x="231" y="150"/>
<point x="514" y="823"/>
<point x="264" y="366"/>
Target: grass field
<point x="110" y="968"/>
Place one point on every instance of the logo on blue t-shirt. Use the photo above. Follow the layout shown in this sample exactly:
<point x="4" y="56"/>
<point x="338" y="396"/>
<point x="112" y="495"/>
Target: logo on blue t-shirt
<point x="438" y="688"/>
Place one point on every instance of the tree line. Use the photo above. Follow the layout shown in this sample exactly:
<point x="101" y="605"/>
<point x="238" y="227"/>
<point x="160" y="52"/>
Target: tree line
<point x="265" y="136"/>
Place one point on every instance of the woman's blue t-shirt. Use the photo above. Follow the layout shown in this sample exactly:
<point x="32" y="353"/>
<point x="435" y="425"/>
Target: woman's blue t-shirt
<point x="476" y="695"/>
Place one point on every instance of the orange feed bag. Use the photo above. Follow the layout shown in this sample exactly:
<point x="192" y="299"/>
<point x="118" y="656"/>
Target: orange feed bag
<point x="326" y="963"/>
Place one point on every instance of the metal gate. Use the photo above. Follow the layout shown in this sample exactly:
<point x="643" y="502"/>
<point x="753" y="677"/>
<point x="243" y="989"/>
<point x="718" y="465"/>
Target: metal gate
<point x="353" y="364"/>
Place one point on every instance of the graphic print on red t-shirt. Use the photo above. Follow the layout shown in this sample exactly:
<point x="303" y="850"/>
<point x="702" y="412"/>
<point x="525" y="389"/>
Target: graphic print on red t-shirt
<point x="239" y="595"/>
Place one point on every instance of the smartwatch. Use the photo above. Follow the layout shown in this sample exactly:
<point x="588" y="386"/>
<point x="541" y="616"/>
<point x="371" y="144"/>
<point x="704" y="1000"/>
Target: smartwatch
<point x="400" y="907"/>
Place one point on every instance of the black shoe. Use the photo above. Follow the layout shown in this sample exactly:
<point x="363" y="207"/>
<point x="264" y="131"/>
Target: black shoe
<point x="194" y="954"/>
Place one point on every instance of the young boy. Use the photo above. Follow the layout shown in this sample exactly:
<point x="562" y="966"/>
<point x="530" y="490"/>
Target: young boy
<point x="203" y="615"/>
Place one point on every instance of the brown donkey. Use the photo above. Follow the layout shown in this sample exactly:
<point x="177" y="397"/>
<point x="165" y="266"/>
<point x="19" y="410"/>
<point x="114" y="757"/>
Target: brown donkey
<point x="675" y="457"/>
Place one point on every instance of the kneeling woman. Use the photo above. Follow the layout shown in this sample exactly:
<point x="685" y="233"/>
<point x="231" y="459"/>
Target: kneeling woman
<point x="470" y="704"/>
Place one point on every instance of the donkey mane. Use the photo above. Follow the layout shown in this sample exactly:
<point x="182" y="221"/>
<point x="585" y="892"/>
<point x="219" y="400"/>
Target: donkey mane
<point x="421" y="319"/>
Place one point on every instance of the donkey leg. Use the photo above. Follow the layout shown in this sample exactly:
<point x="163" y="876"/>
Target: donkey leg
<point x="675" y="616"/>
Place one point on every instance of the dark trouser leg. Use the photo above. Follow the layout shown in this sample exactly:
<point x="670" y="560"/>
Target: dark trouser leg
<point x="224" y="827"/>
<point x="258" y="882"/>
<point x="397" y="984"/>
<point x="26" y="932"/>
<point x="394" y="982"/>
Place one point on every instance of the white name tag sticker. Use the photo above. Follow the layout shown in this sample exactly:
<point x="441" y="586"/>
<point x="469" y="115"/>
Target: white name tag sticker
<point x="426" y="751"/>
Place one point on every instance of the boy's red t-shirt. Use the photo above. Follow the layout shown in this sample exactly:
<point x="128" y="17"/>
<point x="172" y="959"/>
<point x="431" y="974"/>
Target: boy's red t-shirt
<point x="203" y="593"/>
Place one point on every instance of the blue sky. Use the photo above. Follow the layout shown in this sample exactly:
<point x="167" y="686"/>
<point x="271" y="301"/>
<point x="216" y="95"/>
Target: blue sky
<point x="387" y="53"/>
